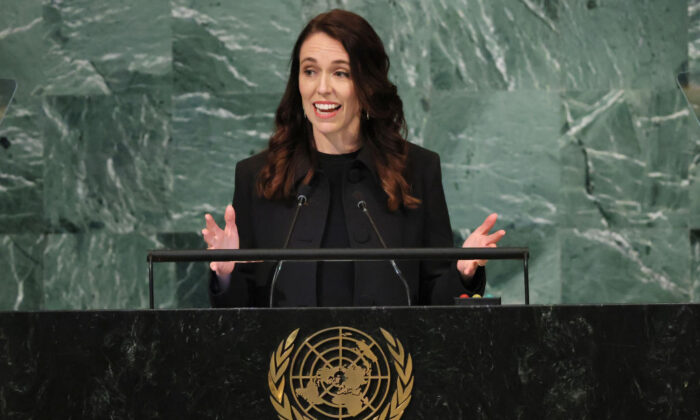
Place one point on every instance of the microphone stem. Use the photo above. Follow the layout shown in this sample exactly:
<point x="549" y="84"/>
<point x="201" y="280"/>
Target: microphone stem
<point x="371" y="221"/>
<point x="300" y="202"/>
<point x="294" y="221"/>
<point x="363" y="206"/>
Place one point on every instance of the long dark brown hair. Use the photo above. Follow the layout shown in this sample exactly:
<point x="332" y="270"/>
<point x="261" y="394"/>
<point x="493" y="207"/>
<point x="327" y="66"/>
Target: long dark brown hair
<point x="383" y="133"/>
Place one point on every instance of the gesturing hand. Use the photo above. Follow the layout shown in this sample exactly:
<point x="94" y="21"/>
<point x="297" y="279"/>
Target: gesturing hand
<point x="480" y="238"/>
<point x="216" y="238"/>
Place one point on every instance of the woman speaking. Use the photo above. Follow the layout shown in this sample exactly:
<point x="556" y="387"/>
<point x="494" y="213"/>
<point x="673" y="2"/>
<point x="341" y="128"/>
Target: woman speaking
<point x="340" y="139"/>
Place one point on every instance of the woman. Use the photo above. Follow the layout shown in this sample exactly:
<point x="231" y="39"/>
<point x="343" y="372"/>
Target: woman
<point x="339" y="133"/>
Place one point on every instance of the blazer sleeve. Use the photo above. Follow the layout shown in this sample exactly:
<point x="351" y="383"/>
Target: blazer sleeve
<point x="440" y="280"/>
<point x="237" y="294"/>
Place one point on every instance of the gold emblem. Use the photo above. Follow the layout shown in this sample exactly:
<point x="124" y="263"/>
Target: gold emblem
<point x="340" y="373"/>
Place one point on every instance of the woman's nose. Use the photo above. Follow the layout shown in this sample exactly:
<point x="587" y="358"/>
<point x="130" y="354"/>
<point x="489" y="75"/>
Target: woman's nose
<point x="324" y="85"/>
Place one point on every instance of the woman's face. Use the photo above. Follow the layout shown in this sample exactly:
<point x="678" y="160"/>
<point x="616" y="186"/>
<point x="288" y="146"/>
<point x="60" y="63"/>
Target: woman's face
<point x="327" y="90"/>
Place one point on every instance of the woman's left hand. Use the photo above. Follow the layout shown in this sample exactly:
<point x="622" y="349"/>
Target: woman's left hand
<point x="480" y="238"/>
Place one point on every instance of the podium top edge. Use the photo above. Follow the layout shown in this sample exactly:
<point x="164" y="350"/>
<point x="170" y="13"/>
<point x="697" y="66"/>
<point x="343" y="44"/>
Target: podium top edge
<point x="335" y="254"/>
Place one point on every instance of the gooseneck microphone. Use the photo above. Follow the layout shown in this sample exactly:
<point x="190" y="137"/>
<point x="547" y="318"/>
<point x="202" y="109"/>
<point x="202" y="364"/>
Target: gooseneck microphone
<point x="362" y="205"/>
<point x="302" y="198"/>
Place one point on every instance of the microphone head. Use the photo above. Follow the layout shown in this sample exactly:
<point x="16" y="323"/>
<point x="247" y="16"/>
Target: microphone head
<point x="303" y="193"/>
<point x="304" y="189"/>
<point x="360" y="202"/>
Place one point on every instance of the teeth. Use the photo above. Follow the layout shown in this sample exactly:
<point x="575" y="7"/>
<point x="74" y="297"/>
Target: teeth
<point x="326" y="107"/>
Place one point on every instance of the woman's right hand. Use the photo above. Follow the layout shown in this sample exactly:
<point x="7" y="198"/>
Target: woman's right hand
<point x="216" y="238"/>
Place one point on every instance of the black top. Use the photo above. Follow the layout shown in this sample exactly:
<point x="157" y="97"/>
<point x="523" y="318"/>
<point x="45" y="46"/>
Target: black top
<point x="335" y="279"/>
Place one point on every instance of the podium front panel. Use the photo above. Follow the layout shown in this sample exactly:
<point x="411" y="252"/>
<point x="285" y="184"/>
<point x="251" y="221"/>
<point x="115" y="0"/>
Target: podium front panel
<point x="604" y="361"/>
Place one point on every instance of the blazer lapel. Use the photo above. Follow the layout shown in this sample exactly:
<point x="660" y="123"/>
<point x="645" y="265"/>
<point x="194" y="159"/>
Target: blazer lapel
<point x="297" y="282"/>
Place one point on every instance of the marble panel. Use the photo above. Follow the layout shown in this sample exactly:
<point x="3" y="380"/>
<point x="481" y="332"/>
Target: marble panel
<point x="498" y="154"/>
<point x="22" y="277"/>
<point x="22" y="167"/>
<point x="488" y="168"/>
<point x="695" y="265"/>
<point x="211" y="134"/>
<point x="233" y="47"/>
<point x="510" y="362"/>
<point x="183" y="285"/>
<point x="621" y="168"/>
<point x="694" y="171"/>
<point x="105" y="163"/>
<point x="105" y="47"/>
<point x="694" y="35"/>
<point x="503" y="45"/>
<point x="21" y="31"/>
<point x="101" y="271"/>
<point x="625" y="158"/>
<point x="625" y="265"/>
<point x="619" y="44"/>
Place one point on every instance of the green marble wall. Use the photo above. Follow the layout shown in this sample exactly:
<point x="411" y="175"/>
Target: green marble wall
<point x="561" y="116"/>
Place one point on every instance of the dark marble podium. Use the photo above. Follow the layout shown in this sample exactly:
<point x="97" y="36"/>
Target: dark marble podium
<point x="509" y="362"/>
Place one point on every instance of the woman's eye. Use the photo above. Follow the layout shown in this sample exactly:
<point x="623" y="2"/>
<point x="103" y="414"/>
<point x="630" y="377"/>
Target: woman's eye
<point x="342" y="74"/>
<point x="308" y="72"/>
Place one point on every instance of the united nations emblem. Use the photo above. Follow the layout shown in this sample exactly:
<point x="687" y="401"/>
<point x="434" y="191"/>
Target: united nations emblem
<point x="340" y="373"/>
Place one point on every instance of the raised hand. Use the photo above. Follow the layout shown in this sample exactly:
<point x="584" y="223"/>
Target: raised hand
<point x="226" y="238"/>
<point x="480" y="238"/>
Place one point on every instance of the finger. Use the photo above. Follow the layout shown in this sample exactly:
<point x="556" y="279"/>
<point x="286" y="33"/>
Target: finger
<point x="213" y="265"/>
<point x="208" y="237"/>
<point x="468" y="268"/>
<point x="488" y="223"/>
<point x="472" y="267"/>
<point x="230" y="215"/>
<point x="211" y="224"/>
<point x="495" y="237"/>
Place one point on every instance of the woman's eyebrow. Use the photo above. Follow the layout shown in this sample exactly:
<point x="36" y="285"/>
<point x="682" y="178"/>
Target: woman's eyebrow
<point x="313" y="60"/>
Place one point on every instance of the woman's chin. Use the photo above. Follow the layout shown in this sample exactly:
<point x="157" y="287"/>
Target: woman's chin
<point x="327" y="128"/>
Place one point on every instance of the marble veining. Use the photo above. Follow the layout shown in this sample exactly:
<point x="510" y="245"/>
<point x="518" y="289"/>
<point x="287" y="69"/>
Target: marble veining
<point x="609" y="132"/>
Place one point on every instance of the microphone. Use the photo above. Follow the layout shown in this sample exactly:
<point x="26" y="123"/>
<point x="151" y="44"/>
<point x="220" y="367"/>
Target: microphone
<point x="362" y="205"/>
<point x="302" y="198"/>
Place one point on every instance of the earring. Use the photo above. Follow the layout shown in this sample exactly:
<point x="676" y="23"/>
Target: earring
<point x="366" y="115"/>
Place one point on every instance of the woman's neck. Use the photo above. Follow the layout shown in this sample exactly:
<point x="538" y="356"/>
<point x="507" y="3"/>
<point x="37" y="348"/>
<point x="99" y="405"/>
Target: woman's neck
<point x="337" y="145"/>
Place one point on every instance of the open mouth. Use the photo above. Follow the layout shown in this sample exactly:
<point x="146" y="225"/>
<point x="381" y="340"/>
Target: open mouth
<point x="326" y="109"/>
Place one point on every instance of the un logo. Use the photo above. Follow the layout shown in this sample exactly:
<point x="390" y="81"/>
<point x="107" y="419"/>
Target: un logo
<point x="340" y="373"/>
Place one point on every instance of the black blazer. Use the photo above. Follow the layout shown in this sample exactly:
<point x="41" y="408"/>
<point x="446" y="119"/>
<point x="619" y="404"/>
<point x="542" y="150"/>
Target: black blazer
<point x="264" y="223"/>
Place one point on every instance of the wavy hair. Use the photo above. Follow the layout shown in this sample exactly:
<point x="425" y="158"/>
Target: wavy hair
<point x="383" y="132"/>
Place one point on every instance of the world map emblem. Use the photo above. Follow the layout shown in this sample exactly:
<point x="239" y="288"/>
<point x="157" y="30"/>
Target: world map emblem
<point x="340" y="373"/>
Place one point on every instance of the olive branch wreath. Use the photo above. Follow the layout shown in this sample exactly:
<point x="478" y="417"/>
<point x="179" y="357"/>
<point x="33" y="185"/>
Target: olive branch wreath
<point x="279" y="363"/>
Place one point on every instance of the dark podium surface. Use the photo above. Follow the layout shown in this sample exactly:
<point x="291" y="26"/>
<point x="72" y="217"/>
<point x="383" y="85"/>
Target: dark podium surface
<point x="504" y="362"/>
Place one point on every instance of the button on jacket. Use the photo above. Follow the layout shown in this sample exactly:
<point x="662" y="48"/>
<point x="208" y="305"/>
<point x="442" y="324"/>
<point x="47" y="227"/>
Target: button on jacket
<point x="264" y="223"/>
